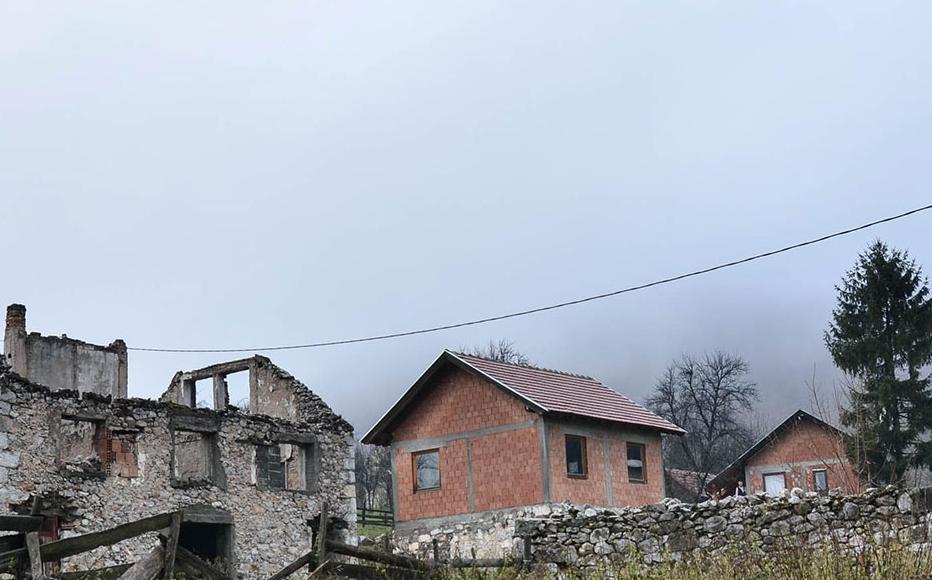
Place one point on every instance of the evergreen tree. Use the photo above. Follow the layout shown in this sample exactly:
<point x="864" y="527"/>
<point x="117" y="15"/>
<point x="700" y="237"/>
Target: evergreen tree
<point x="881" y="337"/>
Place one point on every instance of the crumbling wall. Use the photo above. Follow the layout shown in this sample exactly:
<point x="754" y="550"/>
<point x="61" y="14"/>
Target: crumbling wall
<point x="99" y="462"/>
<point x="62" y="362"/>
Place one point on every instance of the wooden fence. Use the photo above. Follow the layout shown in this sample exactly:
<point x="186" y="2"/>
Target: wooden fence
<point x="370" y="517"/>
<point x="374" y="564"/>
<point x="22" y="554"/>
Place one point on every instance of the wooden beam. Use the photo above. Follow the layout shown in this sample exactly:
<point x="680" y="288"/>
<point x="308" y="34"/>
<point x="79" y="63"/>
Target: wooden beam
<point x="171" y="546"/>
<point x="323" y="522"/>
<point x="342" y="570"/>
<point x="190" y="561"/>
<point x="20" y="523"/>
<point x="35" y="556"/>
<point x="147" y="567"/>
<point x="376" y="556"/>
<point x="305" y="560"/>
<point x="80" y="544"/>
<point x="109" y="573"/>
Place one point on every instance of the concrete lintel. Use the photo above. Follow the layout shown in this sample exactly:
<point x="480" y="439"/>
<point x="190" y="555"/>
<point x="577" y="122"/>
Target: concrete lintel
<point x="431" y="442"/>
<point x="222" y="369"/>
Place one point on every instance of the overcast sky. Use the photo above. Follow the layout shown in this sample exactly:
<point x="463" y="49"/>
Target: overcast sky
<point x="240" y="174"/>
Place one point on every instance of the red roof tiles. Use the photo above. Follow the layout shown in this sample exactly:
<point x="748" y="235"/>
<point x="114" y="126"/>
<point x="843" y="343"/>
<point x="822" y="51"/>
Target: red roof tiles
<point x="545" y="391"/>
<point x="559" y="392"/>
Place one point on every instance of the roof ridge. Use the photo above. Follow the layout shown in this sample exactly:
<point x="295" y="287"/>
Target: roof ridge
<point x="526" y="366"/>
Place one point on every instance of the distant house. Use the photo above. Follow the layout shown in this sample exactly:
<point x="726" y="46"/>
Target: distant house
<point x="473" y="435"/>
<point x="684" y="484"/>
<point x="803" y="451"/>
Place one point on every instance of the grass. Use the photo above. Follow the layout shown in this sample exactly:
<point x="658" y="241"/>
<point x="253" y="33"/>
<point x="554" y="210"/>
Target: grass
<point x="890" y="562"/>
<point x="371" y="531"/>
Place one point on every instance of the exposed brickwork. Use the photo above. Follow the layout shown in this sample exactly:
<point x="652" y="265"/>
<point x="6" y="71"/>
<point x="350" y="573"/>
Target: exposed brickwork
<point x="593" y="488"/>
<point x="506" y="466"/>
<point x="450" y="498"/>
<point x="506" y="469"/>
<point x="798" y="452"/>
<point x="628" y="493"/>
<point x="459" y="402"/>
<point x="590" y="489"/>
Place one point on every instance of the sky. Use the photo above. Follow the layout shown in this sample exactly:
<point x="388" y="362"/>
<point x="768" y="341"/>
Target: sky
<point x="242" y="174"/>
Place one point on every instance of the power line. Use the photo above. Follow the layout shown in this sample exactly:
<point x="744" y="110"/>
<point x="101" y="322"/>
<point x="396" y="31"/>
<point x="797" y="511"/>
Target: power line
<point x="552" y="306"/>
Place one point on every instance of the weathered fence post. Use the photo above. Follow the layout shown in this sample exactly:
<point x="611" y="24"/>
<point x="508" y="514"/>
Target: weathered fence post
<point x="35" y="557"/>
<point x="171" y="547"/>
<point x="323" y="524"/>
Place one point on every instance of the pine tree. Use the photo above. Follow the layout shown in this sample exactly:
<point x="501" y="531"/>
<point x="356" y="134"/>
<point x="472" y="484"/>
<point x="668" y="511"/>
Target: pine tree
<point x="881" y="337"/>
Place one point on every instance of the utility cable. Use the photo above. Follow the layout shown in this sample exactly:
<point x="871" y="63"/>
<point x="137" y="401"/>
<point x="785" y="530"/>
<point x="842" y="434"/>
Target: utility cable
<point x="530" y="311"/>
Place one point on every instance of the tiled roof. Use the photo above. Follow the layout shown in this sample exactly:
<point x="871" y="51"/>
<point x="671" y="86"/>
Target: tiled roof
<point x="547" y="392"/>
<point x="560" y="392"/>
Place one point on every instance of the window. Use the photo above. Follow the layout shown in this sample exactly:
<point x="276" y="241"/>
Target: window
<point x="193" y="457"/>
<point x="285" y="466"/>
<point x="83" y="445"/>
<point x="774" y="483"/>
<point x="821" y="480"/>
<point x="635" y="461"/>
<point x="576" y="456"/>
<point x="426" y="470"/>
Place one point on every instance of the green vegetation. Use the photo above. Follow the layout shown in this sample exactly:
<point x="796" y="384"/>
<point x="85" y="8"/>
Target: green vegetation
<point x="891" y="562"/>
<point x="372" y="531"/>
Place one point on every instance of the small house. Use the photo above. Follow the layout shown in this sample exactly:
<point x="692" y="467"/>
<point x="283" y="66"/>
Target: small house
<point x="803" y="451"/>
<point x="473" y="435"/>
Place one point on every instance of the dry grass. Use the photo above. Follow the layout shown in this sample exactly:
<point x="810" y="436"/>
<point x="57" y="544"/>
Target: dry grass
<point x="890" y="562"/>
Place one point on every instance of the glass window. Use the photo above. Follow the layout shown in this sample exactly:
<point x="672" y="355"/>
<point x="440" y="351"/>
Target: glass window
<point x="821" y="480"/>
<point x="774" y="483"/>
<point x="635" y="460"/>
<point x="575" y="456"/>
<point x="427" y="469"/>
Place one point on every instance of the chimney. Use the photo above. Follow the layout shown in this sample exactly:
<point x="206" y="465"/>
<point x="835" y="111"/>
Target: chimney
<point x="14" y="338"/>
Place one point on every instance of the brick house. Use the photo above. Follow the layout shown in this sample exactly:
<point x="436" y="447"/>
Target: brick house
<point x="473" y="435"/>
<point x="803" y="451"/>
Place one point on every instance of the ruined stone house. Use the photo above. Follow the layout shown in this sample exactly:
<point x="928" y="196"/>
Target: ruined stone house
<point x="251" y="481"/>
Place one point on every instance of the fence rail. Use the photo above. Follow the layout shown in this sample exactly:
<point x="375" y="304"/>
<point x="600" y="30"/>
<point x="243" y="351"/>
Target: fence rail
<point x="369" y="517"/>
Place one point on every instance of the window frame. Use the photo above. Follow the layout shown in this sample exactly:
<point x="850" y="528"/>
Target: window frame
<point x="815" y="480"/>
<point x="584" y="456"/>
<point x="414" y="456"/>
<point x="643" y="448"/>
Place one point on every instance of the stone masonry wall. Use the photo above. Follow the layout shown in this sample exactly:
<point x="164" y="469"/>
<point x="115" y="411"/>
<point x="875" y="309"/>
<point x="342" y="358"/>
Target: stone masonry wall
<point x="583" y="537"/>
<point x="271" y="527"/>
<point x="564" y="535"/>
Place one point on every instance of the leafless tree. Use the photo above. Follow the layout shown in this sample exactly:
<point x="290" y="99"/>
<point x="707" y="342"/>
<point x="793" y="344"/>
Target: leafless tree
<point x="503" y="351"/>
<point x="708" y="397"/>
<point x="373" y="476"/>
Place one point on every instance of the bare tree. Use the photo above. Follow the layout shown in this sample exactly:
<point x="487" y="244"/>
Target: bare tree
<point x="373" y="476"/>
<point x="707" y="397"/>
<point x="502" y="351"/>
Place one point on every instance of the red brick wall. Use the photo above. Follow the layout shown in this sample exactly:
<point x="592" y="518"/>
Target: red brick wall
<point x="457" y="402"/>
<point x="593" y="488"/>
<point x="505" y="466"/>
<point x="797" y="452"/>
<point x="506" y="469"/>
<point x="625" y="492"/>
<point x="450" y="498"/>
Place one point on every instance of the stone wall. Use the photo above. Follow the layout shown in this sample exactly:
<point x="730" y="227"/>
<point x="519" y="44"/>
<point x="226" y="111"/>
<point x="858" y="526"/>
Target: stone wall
<point x="98" y="462"/>
<point x="62" y="362"/>
<point x="564" y="535"/>
<point x="583" y="537"/>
